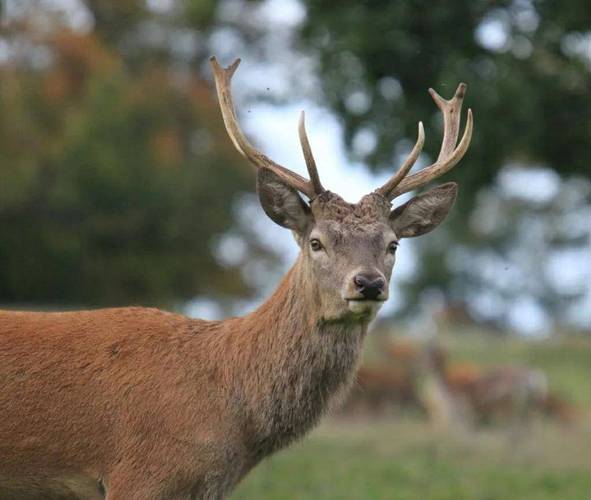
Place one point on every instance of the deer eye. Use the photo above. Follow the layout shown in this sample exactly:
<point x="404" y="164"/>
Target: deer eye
<point x="392" y="247"/>
<point x="315" y="245"/>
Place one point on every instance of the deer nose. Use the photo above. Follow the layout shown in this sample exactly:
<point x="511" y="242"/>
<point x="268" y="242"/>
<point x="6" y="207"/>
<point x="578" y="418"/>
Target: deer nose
<point x="370" y="286"/>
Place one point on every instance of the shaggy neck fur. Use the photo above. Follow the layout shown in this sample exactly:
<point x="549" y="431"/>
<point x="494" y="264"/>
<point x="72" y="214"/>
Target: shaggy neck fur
<point x="292" y="362"/>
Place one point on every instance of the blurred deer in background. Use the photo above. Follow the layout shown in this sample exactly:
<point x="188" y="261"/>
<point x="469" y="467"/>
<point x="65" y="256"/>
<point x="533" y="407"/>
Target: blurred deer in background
<point x="137" y="404"/>
<point x="461" y="395"/>
<point x="380" y="389"/>
<point x="445" y="408"/>
<point x="455" y="395"/>
<point x="383" y="387"/>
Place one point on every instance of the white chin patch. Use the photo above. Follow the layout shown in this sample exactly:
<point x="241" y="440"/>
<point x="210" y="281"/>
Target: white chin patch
<point x="364" y="307"/>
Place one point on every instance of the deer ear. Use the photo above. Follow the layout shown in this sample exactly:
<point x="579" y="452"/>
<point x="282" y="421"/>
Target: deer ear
<point x="281" y="202"/>
<point x="423" y="213"/>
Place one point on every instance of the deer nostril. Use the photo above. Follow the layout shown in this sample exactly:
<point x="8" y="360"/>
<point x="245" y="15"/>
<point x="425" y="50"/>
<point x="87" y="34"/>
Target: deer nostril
<point x="379" y="283"/>
<point x="360" y="282"/>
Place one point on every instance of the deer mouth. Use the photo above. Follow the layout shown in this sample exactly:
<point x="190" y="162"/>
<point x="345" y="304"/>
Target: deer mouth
<point x="364" y="306"/>
<point x="369" y="301"/>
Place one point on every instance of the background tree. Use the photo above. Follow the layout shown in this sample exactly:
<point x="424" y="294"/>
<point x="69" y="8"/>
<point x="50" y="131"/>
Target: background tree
<point x="117" y="174"/>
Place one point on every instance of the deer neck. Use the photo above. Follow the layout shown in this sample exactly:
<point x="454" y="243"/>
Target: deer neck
<point x="294" y="361"/>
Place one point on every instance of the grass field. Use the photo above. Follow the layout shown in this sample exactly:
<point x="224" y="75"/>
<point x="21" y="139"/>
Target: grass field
<point x="404" y="458"/>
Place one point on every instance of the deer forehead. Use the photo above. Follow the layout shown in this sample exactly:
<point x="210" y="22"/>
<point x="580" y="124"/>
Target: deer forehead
<point x="372" y="210"/>
<point x="362" y="224"/>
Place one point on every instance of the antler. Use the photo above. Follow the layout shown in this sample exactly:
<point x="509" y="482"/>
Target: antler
<point x="308" y="156"/>
<point x="449" y="155"/>
<point x="223" y="78"/>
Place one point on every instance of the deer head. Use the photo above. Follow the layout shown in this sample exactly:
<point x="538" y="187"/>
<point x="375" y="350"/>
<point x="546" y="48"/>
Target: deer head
<point x="348" y="250"/>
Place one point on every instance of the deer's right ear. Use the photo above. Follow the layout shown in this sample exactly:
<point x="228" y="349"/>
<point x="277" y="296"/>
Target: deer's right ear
<point x="281" y="202"/>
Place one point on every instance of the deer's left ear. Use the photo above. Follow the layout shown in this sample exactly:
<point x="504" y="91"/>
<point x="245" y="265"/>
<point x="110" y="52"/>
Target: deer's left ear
<point x="423" y="213"/>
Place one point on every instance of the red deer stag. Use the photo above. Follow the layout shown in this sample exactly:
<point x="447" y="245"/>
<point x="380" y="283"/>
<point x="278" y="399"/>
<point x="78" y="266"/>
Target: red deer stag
<point x="136" y="404"/>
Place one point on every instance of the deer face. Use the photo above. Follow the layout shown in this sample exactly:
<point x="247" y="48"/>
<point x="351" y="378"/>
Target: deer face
<point x="348" y="249"/>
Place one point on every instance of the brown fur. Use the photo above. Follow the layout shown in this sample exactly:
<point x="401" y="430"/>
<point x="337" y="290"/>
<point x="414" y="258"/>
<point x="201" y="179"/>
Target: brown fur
<point x="106" y="395"/>
<point x="143" y="404"/>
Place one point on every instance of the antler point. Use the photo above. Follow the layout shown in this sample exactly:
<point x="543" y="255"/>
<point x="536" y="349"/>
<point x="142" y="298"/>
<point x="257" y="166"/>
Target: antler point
<point x="421" y="138"/>
<point x="439" y="101"/>
<point x="219" y="68"/>
<point x="232" y="68"/>
<point x="461" y="90"/>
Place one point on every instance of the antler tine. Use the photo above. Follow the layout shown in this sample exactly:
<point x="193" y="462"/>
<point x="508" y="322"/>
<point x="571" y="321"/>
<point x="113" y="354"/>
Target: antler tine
<point x="452" y="113"/>
<point x="223" y="78"/>
<point x="438" y="168"/>
<point x="406" y="166"/>
<point x="308" y="156"/>
<point x="449" y="154"/>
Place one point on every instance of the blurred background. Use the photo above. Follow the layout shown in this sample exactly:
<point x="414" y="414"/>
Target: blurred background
<point x="120" y="186"/>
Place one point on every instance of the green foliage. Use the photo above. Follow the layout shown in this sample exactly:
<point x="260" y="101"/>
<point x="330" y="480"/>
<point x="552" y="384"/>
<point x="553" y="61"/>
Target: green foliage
<point x="199" y="13"/>
<point x="112" y="20"/>
<point x="115" y="182"/>
<point x="529" y="95"/>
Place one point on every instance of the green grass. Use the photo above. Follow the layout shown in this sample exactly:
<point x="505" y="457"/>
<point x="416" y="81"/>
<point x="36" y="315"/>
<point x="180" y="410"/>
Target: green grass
<point x="407" y="460"/>
<point x="404" y="458"/>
